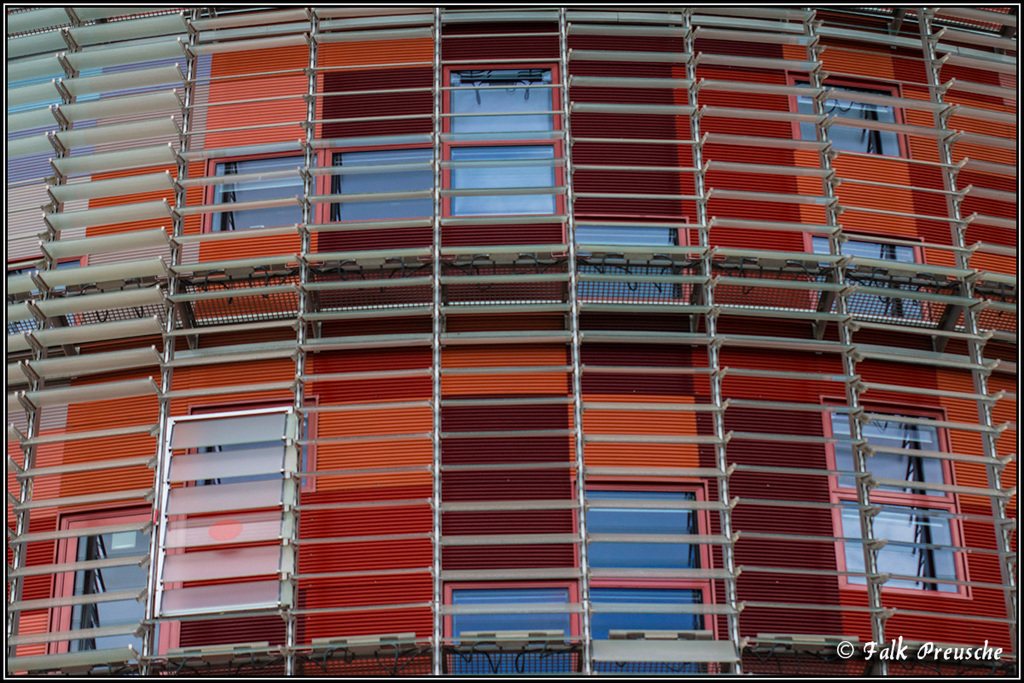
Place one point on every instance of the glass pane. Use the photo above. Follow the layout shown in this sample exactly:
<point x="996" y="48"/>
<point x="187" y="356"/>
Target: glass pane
<point x="383" y="181"/>
<point x="503" y="176"/>
<point x="892" y="434"/>
<point x="222" y="564"/>
<point x="510" y="622"/>
<point x="641" y="521"/>
<point x="274" y="188"/>
<point x="208" y="531"/>
<point x="229" y="462"/>
<point x="95" y="581"/>
<point x="200" y="599"/>
<point x="220" y="431"/>
<point x="500" y="92"/>
<point x="235" y="496"/>
<point x="915" y="527"/>
<point x="844" y="133"/>
<point x="602" y="622"/>
<point x="611" y="234"/>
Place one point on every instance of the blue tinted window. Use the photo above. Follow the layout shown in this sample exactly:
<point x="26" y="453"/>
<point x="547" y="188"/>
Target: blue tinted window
<point x="892" y="434"/>
<point x="254" y="190"/>
<point x="914" y="547"/>
<point x="503" y="175"/>
<point x="359" y="177"/>
<point x="109" y="579"/>
<point x="470" y="660"/>
<point x="602" y="622"/>
<point x="510" y="621"/>
<point x="640" y="520"/>
<point x="501" y="103"/>
<point x="844" y="133"/>
<point x="612" y="234"/>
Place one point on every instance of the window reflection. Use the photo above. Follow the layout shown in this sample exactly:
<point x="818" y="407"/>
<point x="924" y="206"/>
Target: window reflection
<point x="258" y="189"/>
<point x="357" y="177"/>
<point x="503" y="175"/>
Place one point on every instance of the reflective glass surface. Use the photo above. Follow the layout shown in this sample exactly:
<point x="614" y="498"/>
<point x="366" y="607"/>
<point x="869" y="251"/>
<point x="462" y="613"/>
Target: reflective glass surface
<point x="365" y="181"/>
<point x="274" y="188"/>
<point x="632" y="521"/>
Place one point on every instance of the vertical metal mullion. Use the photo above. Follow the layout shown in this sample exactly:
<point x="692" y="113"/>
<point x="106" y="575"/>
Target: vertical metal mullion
<point x="158" y="533"/>
<point x="714" y="362"/>
<point x="975" y="346"/>
<point x="435" y="345"/>
<point x="859" y="446"/>
<point x="301" y="332"/>
<point x="574" y="328"/>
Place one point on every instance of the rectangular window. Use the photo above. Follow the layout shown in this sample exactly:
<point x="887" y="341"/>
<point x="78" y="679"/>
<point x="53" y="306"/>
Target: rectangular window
<point x="845" y="133"/>
<point x="501" y="104"/>
<point x="477" y="648"/>
<point x="498" y="167"/>
<point x="224" y="503"/>
<point x="382" y="171"/>
<point x="653" y="235"/>
<point x="641" y="520"/>
<point x="870" y="304"/>
<point x="914" y="521"/>
<point x="259" y="180"/>
<point x="626" y="594"/>
<point x="513" y="107"/>
<point x="112" y="539"/>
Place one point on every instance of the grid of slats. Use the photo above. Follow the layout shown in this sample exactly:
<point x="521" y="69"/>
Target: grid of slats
<point x="692" y="314"/>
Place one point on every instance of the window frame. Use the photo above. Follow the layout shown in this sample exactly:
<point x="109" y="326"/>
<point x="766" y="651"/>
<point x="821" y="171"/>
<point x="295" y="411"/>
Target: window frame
<point x="63" y="583"/>
<point x="946" y="503"/>
<point x="555" y="141"/>
<point x="210" y="189"/>
<point x="842" y="82"/>
<point x="704" y="551"/>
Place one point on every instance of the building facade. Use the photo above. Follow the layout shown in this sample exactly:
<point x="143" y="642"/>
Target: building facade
<point x="510" y="340"/>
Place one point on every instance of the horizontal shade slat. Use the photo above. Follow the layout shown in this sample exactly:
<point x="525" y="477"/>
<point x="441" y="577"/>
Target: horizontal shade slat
<point x="113" y="214"/>
<point x="82" y="659"/>
<point x="165" y="100"/>
<point x="105" y="244"/>
<point x="81" y="334"/>
<point x="137" y="130"/>
<point x="97" y="58"/>
<point x="129" y="298"/>
<point x="157" y="155"/>
<point x="252" y="595"/>
<point x="73" y="366"/>
<point x="112" y="272"/>
<point x="124" y="80"/>
<point x="92" y="392"/>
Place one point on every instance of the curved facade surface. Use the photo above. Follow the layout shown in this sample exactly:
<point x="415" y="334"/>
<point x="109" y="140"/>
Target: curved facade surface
<point x="510" y="340"/>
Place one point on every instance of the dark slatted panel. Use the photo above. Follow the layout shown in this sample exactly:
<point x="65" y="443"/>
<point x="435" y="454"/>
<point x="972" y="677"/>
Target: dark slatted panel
<point x="483" y="235"/>
<point x="635" y="383"/>
<point x="223" y="631"/>
<point x="486" y="47"/>
<point x="356" y="240"/>
<point x="378" y="104"/>
<point x="794" y="554"/>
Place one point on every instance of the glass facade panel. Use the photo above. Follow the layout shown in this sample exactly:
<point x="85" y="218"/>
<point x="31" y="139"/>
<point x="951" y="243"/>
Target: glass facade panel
<point x="844" y="133"/>
<point x="253" y="190"/>
<point x="641" y="520"/>
<point x="501" y="175"/>
<point x="359" y="178"/>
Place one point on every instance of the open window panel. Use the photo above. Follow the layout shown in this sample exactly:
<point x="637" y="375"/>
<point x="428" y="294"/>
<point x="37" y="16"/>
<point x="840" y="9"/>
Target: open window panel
<point x="230" y="486"/>
<point x="639" y="590"/>
<point x="110" y="594"/>
<point x="258" y="187"/>
<point x="851" y="104"/>
<point x="502" y="133"/>
<point x="862" y="304"/>
<point x="917" y="521"/>
<point x="518" y="628"/>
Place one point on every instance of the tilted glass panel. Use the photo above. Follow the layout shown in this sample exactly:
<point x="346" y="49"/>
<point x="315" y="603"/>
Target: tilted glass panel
<point x="912" y="535"/>
<point x="639" y="520"/>
<point x="92" y="581"/>
<point x="844" y="133"/>
<point x="228" y="429"/>
<point x="892" y="434"/>
<point x="503" y="176"/>
<point x="602" y="622"/>
<point x="273" y="188"/>
<point x="491" y="104"/>
<point x="382" y="181"/>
